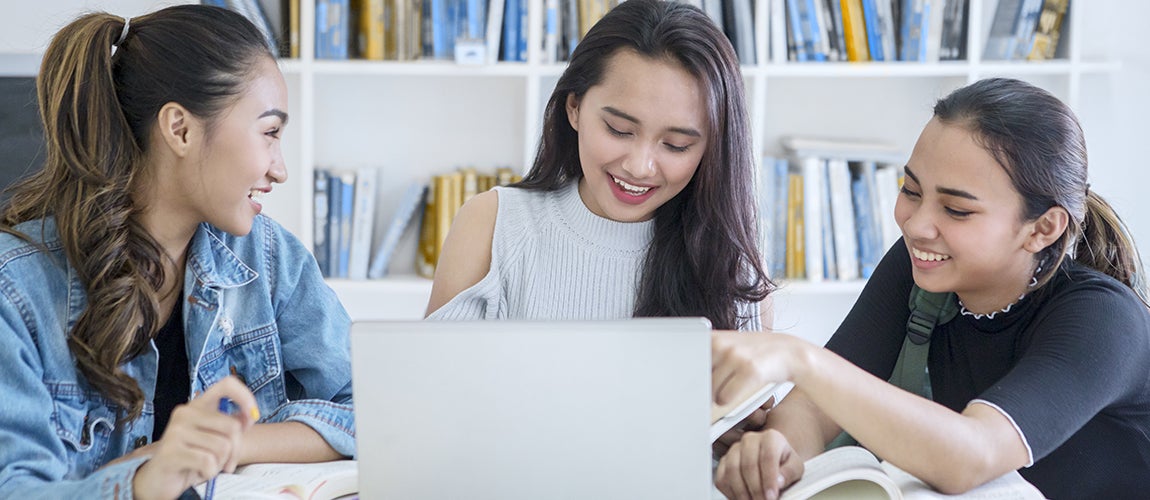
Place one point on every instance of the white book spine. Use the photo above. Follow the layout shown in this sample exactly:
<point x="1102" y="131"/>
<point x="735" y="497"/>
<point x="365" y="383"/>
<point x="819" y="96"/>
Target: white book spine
<point x="811" y="168"/>
<point x="363" y="220"/>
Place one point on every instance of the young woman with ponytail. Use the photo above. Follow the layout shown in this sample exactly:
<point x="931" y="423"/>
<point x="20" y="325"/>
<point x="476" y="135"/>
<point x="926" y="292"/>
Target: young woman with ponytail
<point x="1044" y="369"/>
<point x="141" y="291"/>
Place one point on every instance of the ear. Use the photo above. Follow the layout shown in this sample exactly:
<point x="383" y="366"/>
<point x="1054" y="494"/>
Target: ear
<point x="573" y="111"/>
<point x="1047" y="228"/>
<point x="176" y="127"/>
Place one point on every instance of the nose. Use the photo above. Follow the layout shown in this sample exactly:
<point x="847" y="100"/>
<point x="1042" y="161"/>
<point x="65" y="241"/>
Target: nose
<point x="640" y="162"/>
<point x="918" y="223"/>
<point x="278" y="170"/>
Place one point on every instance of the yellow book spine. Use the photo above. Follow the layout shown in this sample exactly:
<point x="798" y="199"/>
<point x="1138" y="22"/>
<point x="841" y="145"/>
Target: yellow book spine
<point x="854" y="31"/>
<point x="371" y="22"/>
<point x="427" y="256"/>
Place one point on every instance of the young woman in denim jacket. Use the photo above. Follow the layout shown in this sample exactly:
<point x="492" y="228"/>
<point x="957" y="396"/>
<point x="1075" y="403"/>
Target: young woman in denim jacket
<point x="140" y="287"/>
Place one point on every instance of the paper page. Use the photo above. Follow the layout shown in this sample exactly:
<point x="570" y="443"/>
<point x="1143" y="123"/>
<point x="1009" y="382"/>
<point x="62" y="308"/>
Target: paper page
<point x="1009" y="486"/>
<point x="845" y="469"/>
<point x="726" y="416"/>
<point x="288" y="481"/>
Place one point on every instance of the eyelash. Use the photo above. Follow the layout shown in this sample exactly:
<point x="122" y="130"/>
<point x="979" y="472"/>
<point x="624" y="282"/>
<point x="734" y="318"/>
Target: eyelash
<point x="274" y="133"/>
<point x="951" y="211"/>
<point x="617" y="133"/>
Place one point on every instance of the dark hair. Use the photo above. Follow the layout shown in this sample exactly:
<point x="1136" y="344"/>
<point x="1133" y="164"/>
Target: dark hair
<point x="1038" y="141"/>
<point x="98" y="109"/>
<point x="704" y="259"/>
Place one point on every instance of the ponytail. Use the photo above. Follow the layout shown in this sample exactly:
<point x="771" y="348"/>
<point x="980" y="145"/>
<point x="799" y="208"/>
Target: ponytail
<point x="1106" y="245"/>
<point x="98" y="107"/>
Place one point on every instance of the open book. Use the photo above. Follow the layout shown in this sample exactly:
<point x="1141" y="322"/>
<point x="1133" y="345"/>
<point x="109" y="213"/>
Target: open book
<point x="316" y="481"/>
<point x="726" y="416"/>
<point x="853" y="472"/>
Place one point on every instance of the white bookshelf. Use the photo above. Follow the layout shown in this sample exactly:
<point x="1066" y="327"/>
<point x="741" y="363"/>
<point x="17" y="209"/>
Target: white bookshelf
<point x="415" y="119"/>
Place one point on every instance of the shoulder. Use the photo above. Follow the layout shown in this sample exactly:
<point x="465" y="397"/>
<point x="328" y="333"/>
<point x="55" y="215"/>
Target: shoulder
<point x="31" y="244"/>
<point x="466" y="255"/>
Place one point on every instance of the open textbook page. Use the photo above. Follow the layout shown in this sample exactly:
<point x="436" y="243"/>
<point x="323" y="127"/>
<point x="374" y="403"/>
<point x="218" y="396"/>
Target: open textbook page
<point x="315" y="481"/>
<point x="851" y="472"/>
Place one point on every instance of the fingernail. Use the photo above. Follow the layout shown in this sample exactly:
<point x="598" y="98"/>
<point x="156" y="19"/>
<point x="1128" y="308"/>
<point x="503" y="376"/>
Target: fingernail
<point x="771" y="494"/>
<point x="255" y="413"/>
<point x="782" y="481"/>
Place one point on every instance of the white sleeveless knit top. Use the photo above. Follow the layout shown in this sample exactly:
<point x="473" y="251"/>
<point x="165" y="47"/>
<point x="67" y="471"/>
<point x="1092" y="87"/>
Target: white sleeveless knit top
<point x="553" y="259"/>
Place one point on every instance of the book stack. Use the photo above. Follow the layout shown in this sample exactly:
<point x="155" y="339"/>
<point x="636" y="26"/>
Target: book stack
<point x="828" y="208"/>
<point x="445" y="195"/>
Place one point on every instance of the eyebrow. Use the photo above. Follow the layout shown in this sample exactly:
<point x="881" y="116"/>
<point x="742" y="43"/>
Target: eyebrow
<point x="679" y="130"/>
<point x="275" y="112"/>
<point x="941" y="190"/>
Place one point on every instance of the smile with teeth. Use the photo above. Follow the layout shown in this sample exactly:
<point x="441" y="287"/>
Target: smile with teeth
<point x="927" y="256"/>
<point x="630" y="188"/>
<point x="255" y="195"/>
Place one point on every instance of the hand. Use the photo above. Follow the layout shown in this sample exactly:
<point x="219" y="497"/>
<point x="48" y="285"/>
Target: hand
<point x="198" y="443"/>
<point x="742" y="363"/>
<point x="758" y="466"/>
<point x="754" y="422"/>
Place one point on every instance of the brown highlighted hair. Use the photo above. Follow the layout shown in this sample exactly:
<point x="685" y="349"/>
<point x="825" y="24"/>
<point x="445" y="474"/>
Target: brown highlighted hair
<point x="98" y="110"/>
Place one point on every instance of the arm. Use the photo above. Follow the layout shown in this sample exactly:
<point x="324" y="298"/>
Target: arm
<point x="466" y="255"/>
<point x="914" y="433"/>
<point x="316" y="357"/>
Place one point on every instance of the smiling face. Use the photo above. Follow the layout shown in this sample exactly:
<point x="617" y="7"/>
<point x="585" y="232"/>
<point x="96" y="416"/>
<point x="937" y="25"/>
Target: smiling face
<point x="239" y="158"/>
<point x="961" y="219"/>
<point x="642" y="132"/>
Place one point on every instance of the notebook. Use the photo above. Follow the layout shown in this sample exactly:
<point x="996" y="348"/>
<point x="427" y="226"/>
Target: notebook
<point x="518" y="409"/>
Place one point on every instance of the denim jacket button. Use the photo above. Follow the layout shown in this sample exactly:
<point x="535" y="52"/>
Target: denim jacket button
<point x="140" y="442"/>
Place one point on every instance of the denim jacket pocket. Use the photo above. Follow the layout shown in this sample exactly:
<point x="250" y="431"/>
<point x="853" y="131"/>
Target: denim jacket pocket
<point x="84" y="423"/>
<point x="254" y="358"/>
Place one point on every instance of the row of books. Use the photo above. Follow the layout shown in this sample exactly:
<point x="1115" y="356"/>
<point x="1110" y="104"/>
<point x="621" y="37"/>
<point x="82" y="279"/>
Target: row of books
<point x="828" y="213"/>
<point x="876" y="30"/>
<point x="1025" y="29"/>
<point x="916" y="30"/>
<point x="349" y="244"/>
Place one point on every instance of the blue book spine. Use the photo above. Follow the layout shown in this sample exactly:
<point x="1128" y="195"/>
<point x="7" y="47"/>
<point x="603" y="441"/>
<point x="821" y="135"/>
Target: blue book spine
<point x="476" y="18"/>
<point x="814" y="32"/>
<point x="795" y="17"/>
<point x="864" y="225"/>
<point x="511" y="31"/>
<point x="779" y="238"/>
<point x="522" y="31"/>
<point x="439" y="29"/>
<point x="334" y="223"/>
<point x="322" y="31"/>
<point x="873" y="32"/>
<point x="347" y="211"/>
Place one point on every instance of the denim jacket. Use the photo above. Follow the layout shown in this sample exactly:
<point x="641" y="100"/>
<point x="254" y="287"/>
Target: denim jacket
<point x="255" y="306"/>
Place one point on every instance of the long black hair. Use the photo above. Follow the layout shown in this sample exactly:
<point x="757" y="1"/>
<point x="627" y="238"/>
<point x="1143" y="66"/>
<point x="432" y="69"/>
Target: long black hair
<point x="704" y="259"/>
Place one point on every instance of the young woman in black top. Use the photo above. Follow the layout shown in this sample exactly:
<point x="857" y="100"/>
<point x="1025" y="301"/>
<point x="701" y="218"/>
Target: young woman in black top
<point x="1047" y="368"/>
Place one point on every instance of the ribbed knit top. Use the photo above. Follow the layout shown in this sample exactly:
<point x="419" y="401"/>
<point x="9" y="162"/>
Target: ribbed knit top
<point x="553" y="259"/>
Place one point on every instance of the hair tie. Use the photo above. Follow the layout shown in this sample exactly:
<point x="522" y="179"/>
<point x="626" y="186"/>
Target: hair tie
<point x="123" y="34"/>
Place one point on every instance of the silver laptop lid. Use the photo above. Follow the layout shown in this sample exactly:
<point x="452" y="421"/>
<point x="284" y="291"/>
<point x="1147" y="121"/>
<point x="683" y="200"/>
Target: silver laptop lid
<point x="511" y="409"/>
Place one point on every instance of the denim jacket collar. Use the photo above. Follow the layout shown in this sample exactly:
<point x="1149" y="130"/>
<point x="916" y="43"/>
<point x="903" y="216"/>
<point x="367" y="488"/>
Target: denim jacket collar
<point x="212" y="264"/>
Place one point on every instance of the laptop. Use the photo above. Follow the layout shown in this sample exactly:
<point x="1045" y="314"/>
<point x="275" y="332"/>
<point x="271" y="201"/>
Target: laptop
<point x="530" y="409"/>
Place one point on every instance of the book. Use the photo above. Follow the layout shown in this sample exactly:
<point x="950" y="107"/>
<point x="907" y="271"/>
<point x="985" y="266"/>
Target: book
<point x="362" y="222"/>
<point x="404" y="213"/>
<point x="314" y="481"/>
<point x="853" y="472"/>
<point x="724" y="417"/>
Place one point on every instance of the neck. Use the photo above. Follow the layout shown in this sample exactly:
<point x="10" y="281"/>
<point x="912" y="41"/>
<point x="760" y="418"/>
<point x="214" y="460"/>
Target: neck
<point x="1000" y="298"/>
